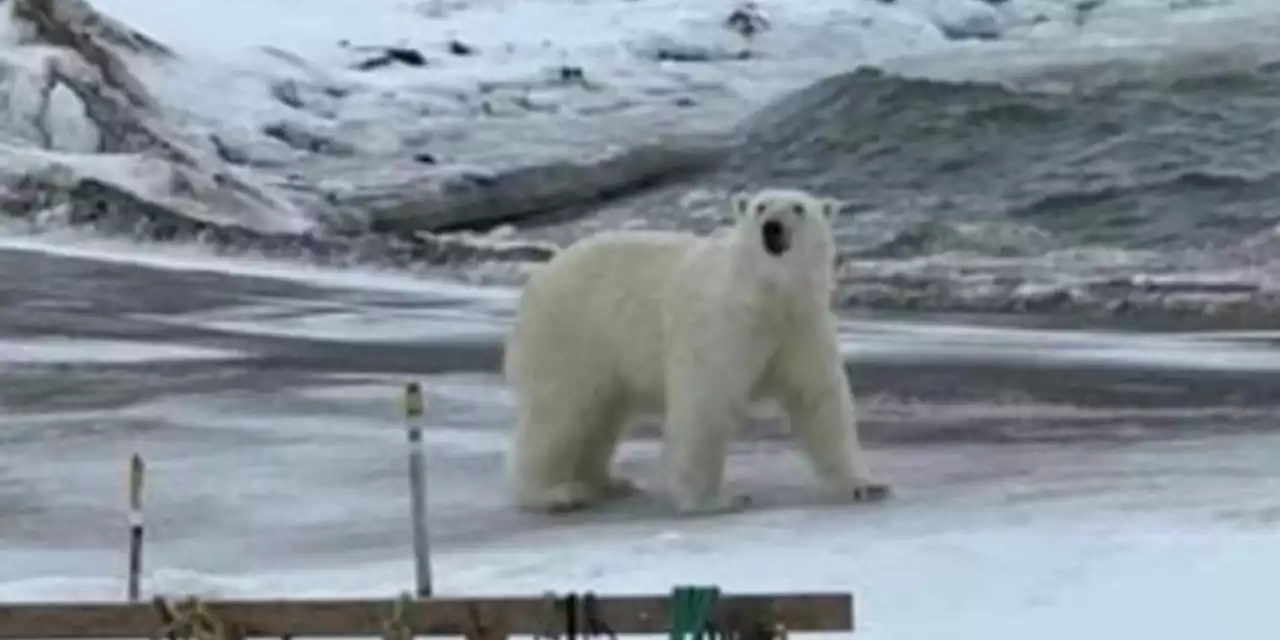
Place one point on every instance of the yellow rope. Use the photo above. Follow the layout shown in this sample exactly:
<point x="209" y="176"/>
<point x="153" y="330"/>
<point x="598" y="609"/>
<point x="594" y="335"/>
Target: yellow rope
<point x="189" y="619"/>
<point x="552" y="622"/>
<point x="395" y="628"/>
<point x="764" y="631"/>
<point x="780" y="631"/>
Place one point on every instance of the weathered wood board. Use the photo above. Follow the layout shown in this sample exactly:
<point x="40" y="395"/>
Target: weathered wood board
<point x="472" y="617"/>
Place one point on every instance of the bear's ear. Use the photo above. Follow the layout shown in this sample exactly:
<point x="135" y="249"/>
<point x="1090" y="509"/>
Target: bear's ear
<point x="741" y="203"/>
<point x="830" y="207"/>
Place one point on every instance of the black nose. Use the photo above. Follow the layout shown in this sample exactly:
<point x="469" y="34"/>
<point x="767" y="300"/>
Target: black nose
<point x="774" y="236"/>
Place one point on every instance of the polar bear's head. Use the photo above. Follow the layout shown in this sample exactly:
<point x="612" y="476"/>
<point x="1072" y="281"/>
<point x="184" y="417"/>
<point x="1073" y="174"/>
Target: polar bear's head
<point x="788" y="225"/>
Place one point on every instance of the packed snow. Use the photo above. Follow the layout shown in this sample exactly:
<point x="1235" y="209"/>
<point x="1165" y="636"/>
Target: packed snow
<point x="981" y="542"/>
<point x="49" y="352"/>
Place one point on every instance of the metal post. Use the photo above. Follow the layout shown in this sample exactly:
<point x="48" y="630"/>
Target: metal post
<point x="136" y="477"/>
<point x="413" y="408"/>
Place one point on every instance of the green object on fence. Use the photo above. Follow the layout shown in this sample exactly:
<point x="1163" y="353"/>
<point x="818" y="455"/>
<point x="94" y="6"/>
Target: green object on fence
<point x="691" y="610"/>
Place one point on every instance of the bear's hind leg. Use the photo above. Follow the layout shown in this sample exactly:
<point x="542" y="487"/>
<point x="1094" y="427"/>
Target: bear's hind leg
<point x="552" y="437"/>
<point x="596" y="460"/>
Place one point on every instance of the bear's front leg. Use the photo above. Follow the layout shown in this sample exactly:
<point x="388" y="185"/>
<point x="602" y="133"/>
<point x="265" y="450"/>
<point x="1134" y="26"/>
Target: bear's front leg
<point x="696" y="453"/>
<point x="831" y="444"/>
<point x="704" y="410"/>
<point x="710" y="365"/>
<point x="816" y="396"/>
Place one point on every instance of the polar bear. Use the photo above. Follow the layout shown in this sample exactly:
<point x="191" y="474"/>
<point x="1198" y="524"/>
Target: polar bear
<point x="695" y="328"/>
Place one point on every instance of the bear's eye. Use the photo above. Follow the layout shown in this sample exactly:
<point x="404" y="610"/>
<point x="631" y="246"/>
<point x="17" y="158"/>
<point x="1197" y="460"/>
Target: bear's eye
<point x="760" y="209"/>
<point x="797" y="209"/>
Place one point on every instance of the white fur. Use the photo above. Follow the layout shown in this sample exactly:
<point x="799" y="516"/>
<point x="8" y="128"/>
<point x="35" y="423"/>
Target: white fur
<point x="695" y="328"/>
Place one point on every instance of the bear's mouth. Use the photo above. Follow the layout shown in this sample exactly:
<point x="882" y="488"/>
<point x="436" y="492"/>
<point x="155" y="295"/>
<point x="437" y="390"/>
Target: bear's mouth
<point x="774" y="236"/>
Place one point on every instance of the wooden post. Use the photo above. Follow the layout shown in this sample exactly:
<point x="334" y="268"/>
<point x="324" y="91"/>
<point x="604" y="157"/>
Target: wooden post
<point x="136" y="477"/>
<point x="413" y="409"/>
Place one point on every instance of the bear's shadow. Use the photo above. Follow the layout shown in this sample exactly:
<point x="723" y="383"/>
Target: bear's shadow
<point x="654" y="505"/>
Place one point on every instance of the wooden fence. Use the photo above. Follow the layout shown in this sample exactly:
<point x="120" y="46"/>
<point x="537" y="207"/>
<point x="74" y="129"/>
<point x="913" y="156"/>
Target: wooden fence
<point x="729" y="616"/>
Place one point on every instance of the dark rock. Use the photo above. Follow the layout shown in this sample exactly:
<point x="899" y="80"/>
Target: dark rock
<point x="300" y="138"/>
<point x="373" y="63"/>
<point x="456" y="199"/>
<point x="1084" y="10"/>
<point x="21" y="198"/>
<point x="459" y="48"/>
<point x="287" y="93"/>
<point x="336" y="92"/>
<point x="747" y="20"/>
<point x="666" y="50"/>
<point x="390" y="55"/>
<point x="226" y="152"/>
<point x="569" y="74"/>
<point x="411" y="57"/>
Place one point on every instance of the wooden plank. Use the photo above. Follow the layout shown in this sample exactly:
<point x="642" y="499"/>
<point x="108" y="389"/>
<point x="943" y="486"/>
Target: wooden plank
<point x="436" y="616"/>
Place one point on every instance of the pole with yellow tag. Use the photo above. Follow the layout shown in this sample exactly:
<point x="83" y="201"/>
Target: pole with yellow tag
<point x="136" y="477"/>
<point x="413" y="409"/>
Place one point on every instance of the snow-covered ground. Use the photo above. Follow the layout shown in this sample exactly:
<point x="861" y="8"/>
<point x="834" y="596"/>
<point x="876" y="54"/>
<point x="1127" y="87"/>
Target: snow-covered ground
<point x="279" y="489"/>
<point x="1035" y="542"/>
<point x="1174" y="540"/>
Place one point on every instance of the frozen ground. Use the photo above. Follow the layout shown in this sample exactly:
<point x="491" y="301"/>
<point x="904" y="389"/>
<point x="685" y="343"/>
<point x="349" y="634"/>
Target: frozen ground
<point x="983" y="541"/>
<point x="265" y="401"/>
